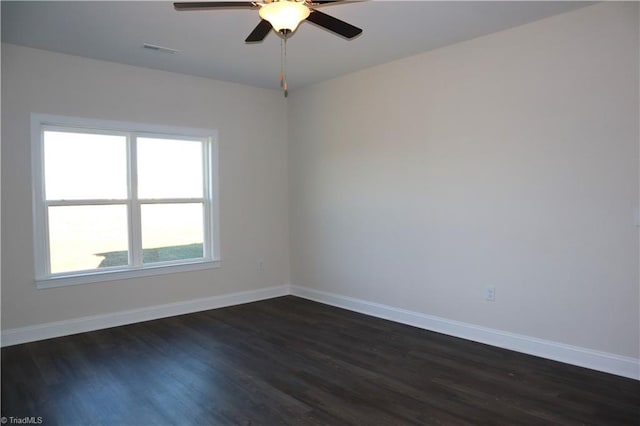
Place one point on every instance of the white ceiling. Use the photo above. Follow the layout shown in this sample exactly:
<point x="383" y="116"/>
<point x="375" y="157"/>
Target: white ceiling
<point x="211" y="43"/>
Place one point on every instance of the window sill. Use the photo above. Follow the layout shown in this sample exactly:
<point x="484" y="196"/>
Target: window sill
<point x="147" y="271"/>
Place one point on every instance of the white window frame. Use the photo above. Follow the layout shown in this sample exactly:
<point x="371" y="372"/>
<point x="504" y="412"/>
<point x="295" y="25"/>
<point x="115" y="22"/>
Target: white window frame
<point x="211" y="247"/>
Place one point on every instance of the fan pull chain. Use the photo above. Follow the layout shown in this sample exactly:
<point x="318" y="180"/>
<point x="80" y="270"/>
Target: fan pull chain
<point x="283" y="66"/>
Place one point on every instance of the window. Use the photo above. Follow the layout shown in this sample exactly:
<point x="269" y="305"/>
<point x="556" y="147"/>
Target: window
<point x="117" y="200"/>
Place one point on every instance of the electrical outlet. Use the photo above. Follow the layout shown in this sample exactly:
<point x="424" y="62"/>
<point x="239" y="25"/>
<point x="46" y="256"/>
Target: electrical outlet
<point x="490" y="294"/>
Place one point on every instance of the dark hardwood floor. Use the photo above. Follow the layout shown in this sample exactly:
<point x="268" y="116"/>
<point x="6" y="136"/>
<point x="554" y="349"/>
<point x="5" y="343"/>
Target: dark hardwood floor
<point x="292" y="361"/>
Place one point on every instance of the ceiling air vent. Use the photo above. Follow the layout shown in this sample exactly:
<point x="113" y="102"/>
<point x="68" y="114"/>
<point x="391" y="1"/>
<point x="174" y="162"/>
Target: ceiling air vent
<point x="159" y="48"/>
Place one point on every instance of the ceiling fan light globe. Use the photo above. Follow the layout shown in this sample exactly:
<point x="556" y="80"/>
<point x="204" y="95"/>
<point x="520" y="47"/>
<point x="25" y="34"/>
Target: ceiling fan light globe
<point x="284" y="14"/>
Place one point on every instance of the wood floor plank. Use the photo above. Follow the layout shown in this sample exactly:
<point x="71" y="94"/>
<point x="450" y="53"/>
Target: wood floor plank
<point x="290" y="361"/>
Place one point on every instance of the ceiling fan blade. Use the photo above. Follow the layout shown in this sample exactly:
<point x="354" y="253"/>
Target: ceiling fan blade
<point x="333" y="24"/>
<point x="259" y="32"/>
<point x="203" y="5"/>
<point x="328" y="2"/>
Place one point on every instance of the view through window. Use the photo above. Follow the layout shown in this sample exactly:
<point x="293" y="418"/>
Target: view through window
<point x="116" y="200"/>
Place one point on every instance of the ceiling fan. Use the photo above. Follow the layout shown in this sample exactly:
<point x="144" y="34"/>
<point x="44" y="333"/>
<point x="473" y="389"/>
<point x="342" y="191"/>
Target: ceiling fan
<point x="283" y="16"/>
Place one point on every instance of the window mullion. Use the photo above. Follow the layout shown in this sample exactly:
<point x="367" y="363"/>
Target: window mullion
<point x="135" y="227"/>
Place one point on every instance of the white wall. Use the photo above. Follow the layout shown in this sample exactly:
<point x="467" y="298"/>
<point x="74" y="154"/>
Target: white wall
<point x="510" y="160"/>
<point x="253" y="178"/>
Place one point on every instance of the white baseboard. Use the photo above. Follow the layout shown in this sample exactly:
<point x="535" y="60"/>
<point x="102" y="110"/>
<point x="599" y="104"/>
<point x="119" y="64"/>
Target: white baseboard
<point x="583" y="357"/>
<point x="96" y="322"/>
<point x="575" y="355"/>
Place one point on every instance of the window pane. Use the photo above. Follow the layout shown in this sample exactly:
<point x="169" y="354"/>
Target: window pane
<point x="80" y="166"/>
<point x="87" y="237"/>
<point x="169" y="168"/>
<point x="172" y="232"/>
